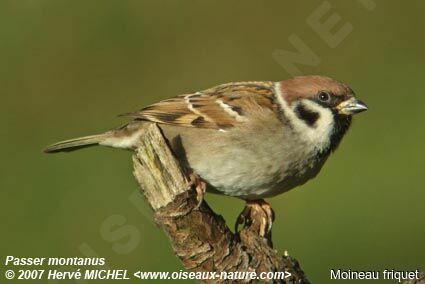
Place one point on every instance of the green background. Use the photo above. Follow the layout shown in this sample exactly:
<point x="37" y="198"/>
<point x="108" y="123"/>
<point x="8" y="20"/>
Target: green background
<point x="67" y="68"/>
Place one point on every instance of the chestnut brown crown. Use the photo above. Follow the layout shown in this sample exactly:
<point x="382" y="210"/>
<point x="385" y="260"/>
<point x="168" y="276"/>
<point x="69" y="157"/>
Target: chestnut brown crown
<point x="324" y="90"/>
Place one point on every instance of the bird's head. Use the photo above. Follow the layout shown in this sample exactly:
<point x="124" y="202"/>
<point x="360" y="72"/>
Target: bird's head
<point x="323" y="91"/>
<point x="320" y="106"/>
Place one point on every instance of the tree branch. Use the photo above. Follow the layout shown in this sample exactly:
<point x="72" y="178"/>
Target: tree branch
<point x="199" y="237"/>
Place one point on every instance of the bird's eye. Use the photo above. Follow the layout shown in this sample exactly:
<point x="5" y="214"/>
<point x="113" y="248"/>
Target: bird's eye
<point x="324" y="96"/>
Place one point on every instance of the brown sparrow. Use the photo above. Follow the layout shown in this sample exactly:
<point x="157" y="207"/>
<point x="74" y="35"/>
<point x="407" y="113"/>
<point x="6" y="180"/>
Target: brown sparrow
<point x="247" y="139"/>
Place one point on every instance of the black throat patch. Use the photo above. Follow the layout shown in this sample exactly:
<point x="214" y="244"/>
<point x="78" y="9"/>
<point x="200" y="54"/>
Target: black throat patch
<point x="342" y="123"/>
<point x="308" y="116"/>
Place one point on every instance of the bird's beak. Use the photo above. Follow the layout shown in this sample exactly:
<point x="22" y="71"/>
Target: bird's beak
<point x="351" y="106"/>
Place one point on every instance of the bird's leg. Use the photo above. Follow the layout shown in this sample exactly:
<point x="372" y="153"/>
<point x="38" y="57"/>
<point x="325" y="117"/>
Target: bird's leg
<point x="258" y="215"/>
<point x="200" y="187"/>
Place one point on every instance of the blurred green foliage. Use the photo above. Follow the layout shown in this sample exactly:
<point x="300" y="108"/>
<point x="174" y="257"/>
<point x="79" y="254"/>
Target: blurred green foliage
<point x="68" y="67"/>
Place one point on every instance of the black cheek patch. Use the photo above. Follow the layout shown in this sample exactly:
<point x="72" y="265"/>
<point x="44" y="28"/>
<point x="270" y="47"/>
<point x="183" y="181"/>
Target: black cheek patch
<point x="309" y="117"/>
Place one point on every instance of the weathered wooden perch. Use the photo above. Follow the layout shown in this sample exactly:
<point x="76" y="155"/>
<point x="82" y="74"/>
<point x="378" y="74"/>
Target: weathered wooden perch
<point x="199" y="237"/>
<point x="421" y="279"/>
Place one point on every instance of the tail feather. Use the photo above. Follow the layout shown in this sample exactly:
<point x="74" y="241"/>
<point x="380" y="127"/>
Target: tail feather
<point x="77" y="143"/>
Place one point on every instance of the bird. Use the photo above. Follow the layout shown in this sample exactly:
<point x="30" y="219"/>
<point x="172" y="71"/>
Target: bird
<point x="251" y="140"/>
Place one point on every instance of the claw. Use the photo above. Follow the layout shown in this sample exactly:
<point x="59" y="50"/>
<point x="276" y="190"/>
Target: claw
<point x="200" y="187"/>
<point x="258" y="213"/>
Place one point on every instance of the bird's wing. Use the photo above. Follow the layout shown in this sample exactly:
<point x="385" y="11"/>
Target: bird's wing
<point x="219" y="107"/>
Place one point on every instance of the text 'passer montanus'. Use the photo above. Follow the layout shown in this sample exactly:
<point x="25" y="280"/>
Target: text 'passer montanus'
<point x="247" y="139"/>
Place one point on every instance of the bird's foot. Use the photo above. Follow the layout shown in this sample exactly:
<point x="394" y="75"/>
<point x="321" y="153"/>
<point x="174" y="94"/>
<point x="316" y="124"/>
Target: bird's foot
<point x="200" y="187"/>
<point x="258" y="215"/>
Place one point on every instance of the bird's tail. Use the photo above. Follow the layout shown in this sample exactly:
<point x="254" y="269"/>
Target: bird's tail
<point x="77" y="143"/>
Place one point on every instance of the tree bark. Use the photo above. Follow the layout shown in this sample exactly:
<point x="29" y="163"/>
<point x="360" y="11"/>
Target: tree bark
<point x="200" y="237"/>
<point x="421" y="279"/>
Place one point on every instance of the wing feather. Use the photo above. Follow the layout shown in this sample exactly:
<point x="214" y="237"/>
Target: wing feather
<point x="219" y="107"/>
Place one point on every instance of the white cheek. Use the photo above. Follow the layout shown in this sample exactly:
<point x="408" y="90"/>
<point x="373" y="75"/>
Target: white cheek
<point x="322" y="129"/>
<point x="317" y="135"/>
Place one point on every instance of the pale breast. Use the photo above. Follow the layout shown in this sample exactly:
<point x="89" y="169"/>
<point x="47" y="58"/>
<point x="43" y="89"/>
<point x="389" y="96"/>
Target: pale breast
<point x="252" y="162"/>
